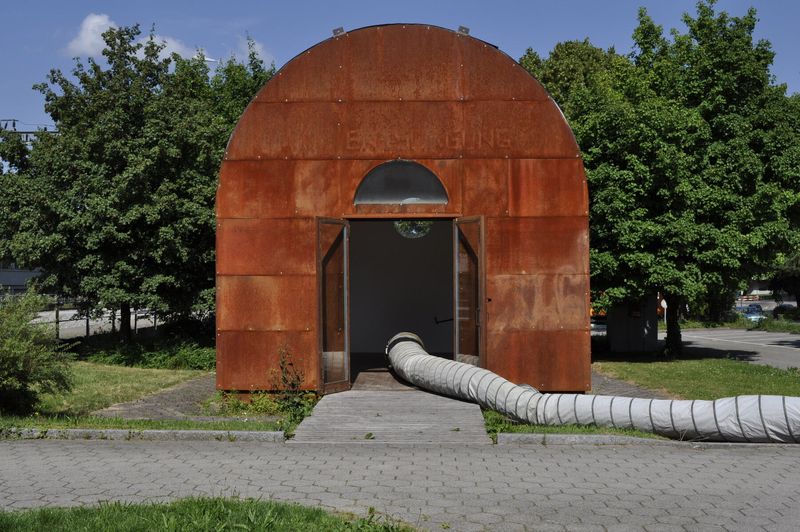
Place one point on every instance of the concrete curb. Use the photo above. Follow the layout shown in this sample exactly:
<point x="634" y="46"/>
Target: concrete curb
<point x="142" y="435"/>
<point x="519" y="438"/>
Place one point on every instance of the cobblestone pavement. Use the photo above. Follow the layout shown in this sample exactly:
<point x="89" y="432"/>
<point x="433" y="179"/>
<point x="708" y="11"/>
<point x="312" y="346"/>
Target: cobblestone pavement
<point x="434" y="487"/>
<point x="602" y="385"/>
<point x="181" y="401"/>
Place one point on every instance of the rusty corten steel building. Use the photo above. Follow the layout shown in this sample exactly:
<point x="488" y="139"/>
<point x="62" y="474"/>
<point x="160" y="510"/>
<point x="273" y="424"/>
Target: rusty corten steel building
<point x="454" y="140"/>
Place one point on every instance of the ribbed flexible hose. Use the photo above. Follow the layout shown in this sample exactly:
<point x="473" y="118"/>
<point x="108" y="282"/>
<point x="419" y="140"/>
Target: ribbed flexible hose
<point x="746" y="418"/>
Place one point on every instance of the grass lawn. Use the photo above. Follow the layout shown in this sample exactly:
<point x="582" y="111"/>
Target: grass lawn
<point x="98" y="386"/>
<point x="195" y="514"/>
<point x="703" y="378"/>
<point x="496" y="423"/>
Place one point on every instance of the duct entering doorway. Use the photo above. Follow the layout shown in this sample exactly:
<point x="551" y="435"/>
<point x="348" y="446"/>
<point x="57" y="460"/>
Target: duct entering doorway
<point x="398" y="283"/>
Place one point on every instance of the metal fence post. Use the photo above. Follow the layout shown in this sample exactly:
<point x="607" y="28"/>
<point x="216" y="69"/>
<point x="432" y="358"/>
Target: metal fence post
<point x="57" y="317"/>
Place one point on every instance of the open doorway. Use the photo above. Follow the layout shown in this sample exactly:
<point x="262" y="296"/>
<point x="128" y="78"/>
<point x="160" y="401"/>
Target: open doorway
<point x="401" y="279"/>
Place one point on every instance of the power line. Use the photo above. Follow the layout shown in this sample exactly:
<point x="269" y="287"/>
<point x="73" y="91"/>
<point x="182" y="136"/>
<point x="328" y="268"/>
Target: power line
<point x="10" y="124"/>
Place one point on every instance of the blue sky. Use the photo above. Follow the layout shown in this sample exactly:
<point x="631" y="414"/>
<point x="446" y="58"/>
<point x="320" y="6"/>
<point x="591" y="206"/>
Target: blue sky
<point x="36" y="36"/>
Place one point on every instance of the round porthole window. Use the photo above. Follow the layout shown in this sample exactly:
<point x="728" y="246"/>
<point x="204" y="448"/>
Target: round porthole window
<point x="413" y="228"/>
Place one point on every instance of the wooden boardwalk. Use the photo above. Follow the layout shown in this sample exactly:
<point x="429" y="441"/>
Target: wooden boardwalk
<point x="412" y="416"/>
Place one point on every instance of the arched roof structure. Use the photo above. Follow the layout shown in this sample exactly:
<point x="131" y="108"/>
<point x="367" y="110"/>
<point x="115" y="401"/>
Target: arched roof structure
<point x="454" y="104"/>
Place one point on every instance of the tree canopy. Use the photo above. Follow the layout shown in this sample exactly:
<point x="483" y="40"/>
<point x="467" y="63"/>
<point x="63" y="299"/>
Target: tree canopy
<point x="117" y="206"/>
<point x="691" y="152"/>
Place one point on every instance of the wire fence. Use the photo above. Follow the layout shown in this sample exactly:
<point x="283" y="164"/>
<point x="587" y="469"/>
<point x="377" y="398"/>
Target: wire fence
<point x="70" y="322"/>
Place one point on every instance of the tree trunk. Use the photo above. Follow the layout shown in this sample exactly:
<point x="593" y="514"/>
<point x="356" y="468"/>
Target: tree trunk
<point x="674" y="345"/>
<point x="125" y="322"/>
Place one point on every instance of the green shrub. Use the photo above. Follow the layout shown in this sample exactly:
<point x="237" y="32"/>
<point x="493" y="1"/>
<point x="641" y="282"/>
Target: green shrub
<point x="160" y="353"/>
<point x="31" y="359"/>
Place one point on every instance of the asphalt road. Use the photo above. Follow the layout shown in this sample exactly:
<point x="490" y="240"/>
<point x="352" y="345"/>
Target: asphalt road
<point x="779" y="350"/>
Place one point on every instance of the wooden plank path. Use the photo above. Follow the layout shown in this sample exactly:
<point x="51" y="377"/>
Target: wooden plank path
<point x="413" y="416"/>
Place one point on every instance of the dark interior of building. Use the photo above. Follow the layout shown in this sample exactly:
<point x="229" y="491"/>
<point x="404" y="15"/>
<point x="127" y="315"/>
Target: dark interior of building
<point x="399" y="283"/>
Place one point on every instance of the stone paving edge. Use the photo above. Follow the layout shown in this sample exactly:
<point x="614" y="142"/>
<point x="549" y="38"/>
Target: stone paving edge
<point x="143" y="435"/>
<point x="526" y="438"/>
<point x="503" y="438"/>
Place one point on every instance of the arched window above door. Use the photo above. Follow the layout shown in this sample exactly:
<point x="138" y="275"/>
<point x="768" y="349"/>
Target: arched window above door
<point x="400" y="182"/>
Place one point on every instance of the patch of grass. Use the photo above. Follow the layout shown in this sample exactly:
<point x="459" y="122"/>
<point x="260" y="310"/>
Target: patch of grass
<point x="291" y="406"/>
<point x="92" y="422"/>
<point x="196" y="514"/>
<point x="703" y="378"/>
<point x="230" y="404"/>
<point x="497" y="423"/>
<point x="97" y="386"/>
<point x="779" y="325"/>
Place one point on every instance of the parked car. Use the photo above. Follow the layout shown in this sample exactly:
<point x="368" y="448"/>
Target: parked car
<point x="754" y="307"/>
<point x="754" y="316"/>
<point x="598" y="324"/>
<point x="782" y="309"/>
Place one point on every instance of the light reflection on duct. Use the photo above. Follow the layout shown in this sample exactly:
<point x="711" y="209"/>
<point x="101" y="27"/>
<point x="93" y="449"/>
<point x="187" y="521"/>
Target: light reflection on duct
<point x="746" y="418"/>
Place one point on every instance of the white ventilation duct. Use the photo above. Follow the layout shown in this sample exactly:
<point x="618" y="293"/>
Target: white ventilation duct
<point x="746" y="418"/>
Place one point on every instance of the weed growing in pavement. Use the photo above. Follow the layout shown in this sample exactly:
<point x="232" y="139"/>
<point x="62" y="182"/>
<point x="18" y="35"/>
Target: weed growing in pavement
<point x="294" y="402"/>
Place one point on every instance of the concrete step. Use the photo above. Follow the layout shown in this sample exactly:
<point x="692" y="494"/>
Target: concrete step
<point x="361" y="416"/>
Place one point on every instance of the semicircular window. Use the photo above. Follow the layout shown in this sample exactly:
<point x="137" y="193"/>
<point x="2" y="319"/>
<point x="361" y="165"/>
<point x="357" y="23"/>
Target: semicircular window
<point x="400" y="182"/>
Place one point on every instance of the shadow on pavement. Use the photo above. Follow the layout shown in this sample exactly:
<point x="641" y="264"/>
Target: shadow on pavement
<point x="691" y="351"/>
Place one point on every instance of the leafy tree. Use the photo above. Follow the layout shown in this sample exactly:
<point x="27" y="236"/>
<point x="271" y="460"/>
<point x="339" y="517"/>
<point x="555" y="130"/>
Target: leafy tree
<point x="119" y="203"/>
<point x="787" y="277"/>
<point x="691" y="159"/>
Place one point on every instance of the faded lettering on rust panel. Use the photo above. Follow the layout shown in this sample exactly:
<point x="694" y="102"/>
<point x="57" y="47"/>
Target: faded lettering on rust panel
<point x="363" y="142"/>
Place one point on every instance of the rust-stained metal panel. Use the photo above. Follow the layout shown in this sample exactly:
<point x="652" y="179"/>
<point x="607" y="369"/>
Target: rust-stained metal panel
<point x="402" y="62"/>
<point x="315" y="75"/>
<point x="548" y="360"/>
<point x="521" y="130"/>
<point x="547" y="187"/>
<point x="266" y="246"/>
<point x="538" y="245"/>
<point x="541" y="302"/>
<point x="403" y="129"/>
<point x="317" y="189"/>
<point x="489" y="74"/>
<point x="299" y="130"/>
<point x="266" y="303"/>
<point x="248" y="360"/>
<point x="485" y="188"/>
<point x="256" y="189"/>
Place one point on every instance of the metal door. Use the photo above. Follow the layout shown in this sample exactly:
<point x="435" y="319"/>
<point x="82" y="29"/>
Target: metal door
<point x="334" y="326"/>
<point x="469" y="290"/>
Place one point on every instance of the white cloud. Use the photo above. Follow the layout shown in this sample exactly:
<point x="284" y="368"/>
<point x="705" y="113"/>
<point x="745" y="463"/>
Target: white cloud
<point x="89" y="41"/>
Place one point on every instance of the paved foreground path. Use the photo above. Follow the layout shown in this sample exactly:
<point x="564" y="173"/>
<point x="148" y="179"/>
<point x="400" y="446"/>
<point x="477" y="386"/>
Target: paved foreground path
<point x="411" y="416"/>
<point x="465" y="487"/>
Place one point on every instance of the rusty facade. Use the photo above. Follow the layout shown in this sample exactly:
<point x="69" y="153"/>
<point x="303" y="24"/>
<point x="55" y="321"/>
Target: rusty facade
<point x="470" y="114"/>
